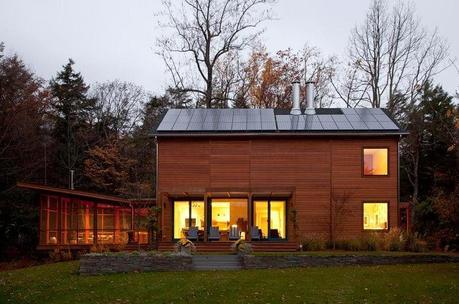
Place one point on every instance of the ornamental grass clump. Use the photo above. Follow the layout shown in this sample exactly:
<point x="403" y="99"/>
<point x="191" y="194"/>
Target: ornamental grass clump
<point x="185" y="247"/>
<point x="314" y="242"/>
<point x="241" y="247"/>
<point x="393" y="240"/>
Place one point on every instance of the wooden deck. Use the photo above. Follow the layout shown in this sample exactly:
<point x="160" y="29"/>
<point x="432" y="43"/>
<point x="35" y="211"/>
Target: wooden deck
<point x="222" y="246"/>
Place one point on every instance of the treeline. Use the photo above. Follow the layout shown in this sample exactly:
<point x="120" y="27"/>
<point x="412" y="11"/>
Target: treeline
<point x="101" y="133"/>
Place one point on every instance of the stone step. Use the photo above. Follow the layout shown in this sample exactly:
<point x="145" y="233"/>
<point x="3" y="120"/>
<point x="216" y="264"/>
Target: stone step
<point x="215" y="262"/>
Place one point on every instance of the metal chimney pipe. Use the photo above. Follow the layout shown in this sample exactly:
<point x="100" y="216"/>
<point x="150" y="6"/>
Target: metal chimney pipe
<point x="296" y="110"/>
<point x="310" y="110"/>
<point x="71" y="180"/>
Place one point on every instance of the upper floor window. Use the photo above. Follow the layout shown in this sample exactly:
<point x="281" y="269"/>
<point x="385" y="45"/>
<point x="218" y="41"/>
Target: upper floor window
<point x="375" y="161"/>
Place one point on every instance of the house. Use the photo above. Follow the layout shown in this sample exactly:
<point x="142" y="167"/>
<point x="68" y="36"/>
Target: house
<point x="275" y="177"/>
<point x="77" y="220"/>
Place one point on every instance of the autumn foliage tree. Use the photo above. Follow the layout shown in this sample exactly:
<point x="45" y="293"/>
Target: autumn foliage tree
<point x="108" y="170"/>
<point x="268" y="78"/>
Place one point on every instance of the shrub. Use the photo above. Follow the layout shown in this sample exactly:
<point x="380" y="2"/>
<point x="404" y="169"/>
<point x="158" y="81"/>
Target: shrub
<point x="371" y="242"/>
<point x="414" y="243"/>
<point x="314" y="242"/>
<point x="99" y="248"/>
<point x="393" y="240"/>
<point x="58" y="255"/>
<point x="242" y="247"/>
<point x="117" y="248"/>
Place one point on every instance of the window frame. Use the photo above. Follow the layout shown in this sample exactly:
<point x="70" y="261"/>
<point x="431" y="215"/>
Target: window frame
<point x="363" y="161"/>
<point x="268" y="200"/>
<point x="363" y="215"/>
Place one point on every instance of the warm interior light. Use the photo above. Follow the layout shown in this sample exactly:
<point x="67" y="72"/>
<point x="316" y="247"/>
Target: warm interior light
<point x="375" y="161"/>
<point x="375" y="216"/>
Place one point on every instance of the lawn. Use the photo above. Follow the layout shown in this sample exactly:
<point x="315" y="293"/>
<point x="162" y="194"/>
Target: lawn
<point x="59" y="283"/>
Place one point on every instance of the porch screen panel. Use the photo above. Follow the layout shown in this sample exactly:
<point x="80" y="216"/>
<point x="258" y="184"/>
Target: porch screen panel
<point x="85" y="222"/>
<point x="49" y="220"/>
<point x="277" y="218"/>
<point x="181" y="218"/>
<point x="105" y="224"/>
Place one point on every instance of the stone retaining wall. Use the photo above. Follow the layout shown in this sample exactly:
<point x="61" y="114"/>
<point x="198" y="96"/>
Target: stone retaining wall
<point x="286" y="261"/>
<point x="92" y="264"/>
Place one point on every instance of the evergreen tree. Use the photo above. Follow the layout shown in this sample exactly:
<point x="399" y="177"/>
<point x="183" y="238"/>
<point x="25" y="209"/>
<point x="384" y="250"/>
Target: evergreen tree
<point x="428" y="159"/>
<point x="72" y="111"/>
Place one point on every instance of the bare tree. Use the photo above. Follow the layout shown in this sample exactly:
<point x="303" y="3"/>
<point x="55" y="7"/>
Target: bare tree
<point x="201" y="33"/>
<point x="118" y="107"/>
<point x="338" y="211"/>
<point x="348" y="86"/>
<point x="393" y="53"/>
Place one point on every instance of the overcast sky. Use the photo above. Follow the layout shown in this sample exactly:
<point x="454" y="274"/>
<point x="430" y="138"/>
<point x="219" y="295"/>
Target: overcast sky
<point x="114" y="39"/>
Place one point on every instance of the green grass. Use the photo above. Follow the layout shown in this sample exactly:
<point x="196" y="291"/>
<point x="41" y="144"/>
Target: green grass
<point x="347" y="252"/>
<point x="59" y="283"/>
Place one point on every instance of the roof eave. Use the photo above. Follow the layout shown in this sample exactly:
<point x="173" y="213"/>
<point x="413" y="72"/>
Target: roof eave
<point x="260" y="134"/>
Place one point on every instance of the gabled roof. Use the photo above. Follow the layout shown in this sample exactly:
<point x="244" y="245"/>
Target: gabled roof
<point x="204" y="122"/>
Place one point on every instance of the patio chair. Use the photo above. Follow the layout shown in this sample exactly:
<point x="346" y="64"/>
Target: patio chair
<point x="234" y="234"/>
<point x="255" y="233"/>
<point x="214" y="234"/>
<point x="274" y="234"/>
<point x="192" y="234"/>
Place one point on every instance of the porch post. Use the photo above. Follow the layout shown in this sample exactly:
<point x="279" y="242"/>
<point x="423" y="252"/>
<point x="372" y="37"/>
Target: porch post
<point x="206" y="214"/>
<point x="249" y="232"/>
<point x="94" y="230"/>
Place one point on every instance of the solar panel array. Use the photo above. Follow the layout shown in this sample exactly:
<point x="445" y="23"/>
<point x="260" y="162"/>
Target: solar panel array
<point x="243" y="120"/>
<point x="229" y="120"/>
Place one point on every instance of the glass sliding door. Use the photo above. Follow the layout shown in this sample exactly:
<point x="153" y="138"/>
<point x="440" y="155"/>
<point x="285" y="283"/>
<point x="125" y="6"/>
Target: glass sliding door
<point x="277" y="220"/>
<point x="229" y="219"/>
<point x="188" y="214"/>
<point x="269" y="219"/>
<point x="261" y="219"/>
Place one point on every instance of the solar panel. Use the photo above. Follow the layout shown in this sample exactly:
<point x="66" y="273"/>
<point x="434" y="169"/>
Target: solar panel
<point x="226" y="115"/>
<point x="239" y="126"/>
<point x="224" y="126"/>
<point x="254" y="125"/>
<point x="358" y="125"/>
<point x="389" y="125"/>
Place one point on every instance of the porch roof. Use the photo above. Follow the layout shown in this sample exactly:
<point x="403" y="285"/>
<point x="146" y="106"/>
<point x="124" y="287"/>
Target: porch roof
<point x="82" y="194"/>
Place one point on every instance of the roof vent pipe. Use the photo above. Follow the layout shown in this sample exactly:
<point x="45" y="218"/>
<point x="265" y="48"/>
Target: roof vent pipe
<point x="295" y="98"/>
<point x="310" y="110"/>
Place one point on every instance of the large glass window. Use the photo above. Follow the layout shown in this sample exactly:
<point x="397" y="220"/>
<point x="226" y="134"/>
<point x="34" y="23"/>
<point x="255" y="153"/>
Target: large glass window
<point x="229" y="219"/>
<point x="188" y="214"/>
<point x="269" y="219"/>
<point x="375" y="216"/>
<point x="375" y="161"/>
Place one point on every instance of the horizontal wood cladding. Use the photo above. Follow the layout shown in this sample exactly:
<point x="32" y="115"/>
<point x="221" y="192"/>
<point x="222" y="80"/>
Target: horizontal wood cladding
<point x="314" y="168"/>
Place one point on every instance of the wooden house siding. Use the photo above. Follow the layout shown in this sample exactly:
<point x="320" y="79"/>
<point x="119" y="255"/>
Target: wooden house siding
<point x="311" y="168"/>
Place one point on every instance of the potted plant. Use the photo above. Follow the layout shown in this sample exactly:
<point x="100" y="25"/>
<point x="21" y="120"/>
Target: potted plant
<point x="184" y="246"/>
<point x="241" y="247"/>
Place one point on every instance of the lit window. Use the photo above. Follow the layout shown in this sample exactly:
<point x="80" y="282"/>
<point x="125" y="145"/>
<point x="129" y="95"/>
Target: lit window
<point x="375" y="161"/>
<point x="187" y="214"/>
<point x="270" y="219"/>
<point x="375" y="216"/>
